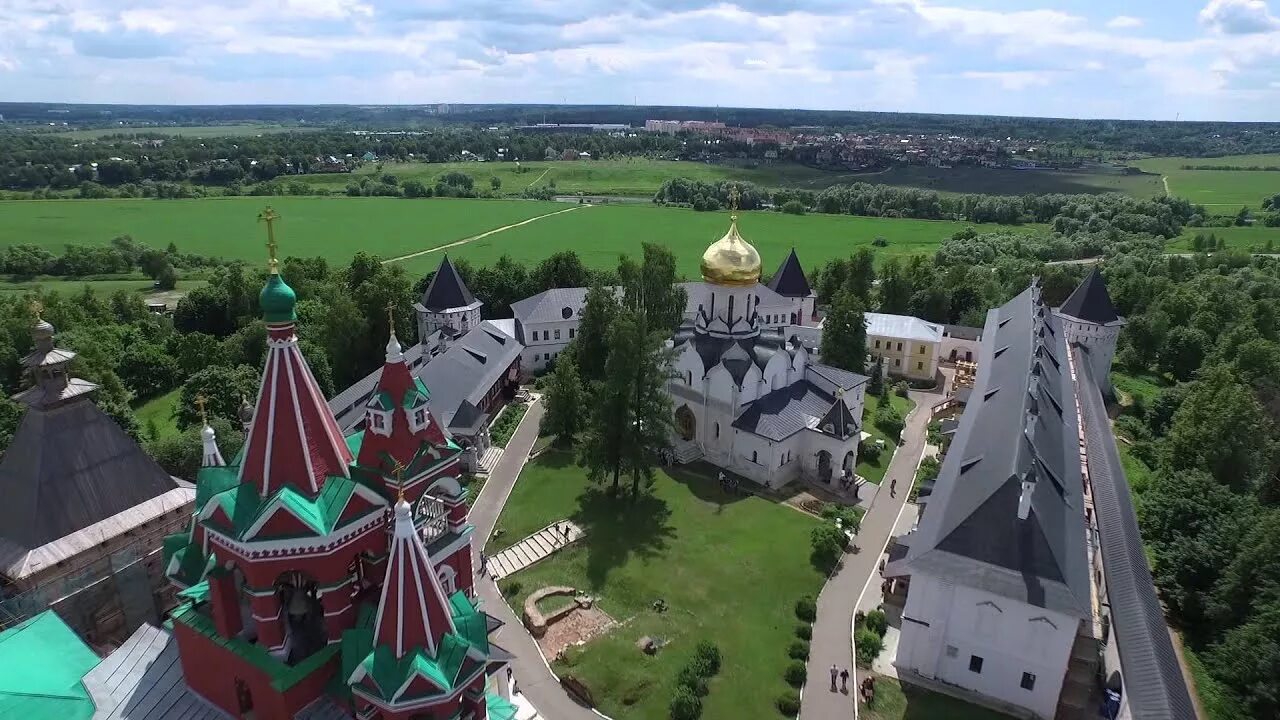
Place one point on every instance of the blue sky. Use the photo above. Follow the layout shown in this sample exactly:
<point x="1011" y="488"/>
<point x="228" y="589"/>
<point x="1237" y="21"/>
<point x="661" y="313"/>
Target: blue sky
<point x="1201" y="59"/>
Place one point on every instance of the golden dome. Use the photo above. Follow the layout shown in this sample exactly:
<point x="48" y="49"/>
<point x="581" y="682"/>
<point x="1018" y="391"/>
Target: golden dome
<point x="731" y="260"/>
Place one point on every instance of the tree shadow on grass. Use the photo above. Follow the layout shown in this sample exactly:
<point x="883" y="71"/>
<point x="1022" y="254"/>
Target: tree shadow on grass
<point x="618" y="527"/>
<point x="702" y="480"/>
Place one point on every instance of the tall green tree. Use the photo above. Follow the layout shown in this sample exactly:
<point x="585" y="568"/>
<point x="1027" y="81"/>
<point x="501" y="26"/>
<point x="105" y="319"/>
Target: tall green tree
<point x="565" y="402"/>
<point x="1220" y="428"/>
<point x="598" y="312"/>
<point x="223" y="389"/>
<point x="844" y="334"/>
<point x="895" y="288"/>
<point x="862" y="275"/>
<point x="604" y="447"/>
<point x="650" y="289"/>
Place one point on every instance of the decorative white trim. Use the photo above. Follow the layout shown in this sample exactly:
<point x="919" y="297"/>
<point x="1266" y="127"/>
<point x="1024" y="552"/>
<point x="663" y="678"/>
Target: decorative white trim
<point x="271" y="423"/>
<point x="272" y="549"/>
<point x="297" y="414"/>
<point x="339" y="611"/>
<point x="253" y="423"/>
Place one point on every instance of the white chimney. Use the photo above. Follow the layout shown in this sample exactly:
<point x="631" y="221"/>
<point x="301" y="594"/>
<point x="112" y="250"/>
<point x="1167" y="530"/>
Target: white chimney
<point x="1024" y="500"/>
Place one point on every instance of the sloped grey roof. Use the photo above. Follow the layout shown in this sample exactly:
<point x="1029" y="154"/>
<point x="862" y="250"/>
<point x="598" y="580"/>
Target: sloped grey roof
<point x="143" y="680"/>
<point x="784" y="412"/>
<point x="467" y="370"/>
<point x="905" y="327"/>
<point x="790" y="281"/>
<point x="68" y="467"/>
<point x="446" y="291"/>
<point x="549" y="305"/>
<point x="1153" y="680"/>
<point x="841" y="378"/>
<point x="963" y="332"/>
<point x="1020" y="422"/>
<point x="839" y="421"/>
<point x="759" y="349"/>
<point x="1090" y="301"/>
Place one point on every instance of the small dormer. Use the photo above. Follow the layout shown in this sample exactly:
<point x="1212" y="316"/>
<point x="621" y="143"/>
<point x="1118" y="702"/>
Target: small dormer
<point x="378" y="414"/>
<point x="416" y="400"/>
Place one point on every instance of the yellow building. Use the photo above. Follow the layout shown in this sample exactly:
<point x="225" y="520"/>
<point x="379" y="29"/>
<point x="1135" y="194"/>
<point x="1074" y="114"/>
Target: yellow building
<point x="909" y="346"/>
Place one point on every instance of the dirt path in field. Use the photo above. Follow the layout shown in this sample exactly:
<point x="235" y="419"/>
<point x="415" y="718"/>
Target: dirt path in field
<point x="481" y="236"/>
<point x="1165" y="179"/>
<point x="539" y="178"/>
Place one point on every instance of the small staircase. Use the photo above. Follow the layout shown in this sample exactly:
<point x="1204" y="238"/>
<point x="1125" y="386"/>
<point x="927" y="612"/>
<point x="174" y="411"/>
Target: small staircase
<point x="534" y="548"/>
<point x="687" y="451"/>
<point x="488" y="460"/>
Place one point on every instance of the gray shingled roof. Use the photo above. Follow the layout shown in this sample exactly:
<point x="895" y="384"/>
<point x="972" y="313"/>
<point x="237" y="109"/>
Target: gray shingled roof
<point x="784" y="412"/>
<point x="790" y="281"/>
<point x="1020" y="422"/>
<point x="1090" y="301"/>
<point x="68" y="467"/>
<point x="841" y="378"/>
<point x="1153" y="680"/>
<point x="143" y="680"/>
<point x="467" y="370"/>
<point x="447" y="290"/>
<point x="549" y="306"/>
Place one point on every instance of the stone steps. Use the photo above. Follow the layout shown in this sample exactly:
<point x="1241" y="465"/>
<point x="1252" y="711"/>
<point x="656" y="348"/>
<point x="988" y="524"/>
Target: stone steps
<point x="532" y="549"/>
<point x="489" y="459"/>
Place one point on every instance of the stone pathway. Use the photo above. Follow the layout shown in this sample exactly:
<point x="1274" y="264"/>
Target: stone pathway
<point x="530" y="550"/>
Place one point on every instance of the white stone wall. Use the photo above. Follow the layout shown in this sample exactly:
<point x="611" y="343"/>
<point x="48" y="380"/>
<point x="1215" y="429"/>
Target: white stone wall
<point x="1101" y="341"/>
<point x="966" y="350"/>
<point x="945" y="625"/>
<point x="462" y="320"/>
<point x="543" y="341"/>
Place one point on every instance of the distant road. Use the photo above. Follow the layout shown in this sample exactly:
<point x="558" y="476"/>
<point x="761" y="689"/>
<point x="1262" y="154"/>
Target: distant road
<point x="1096" y="260"/>
<point x="485" y="234"/>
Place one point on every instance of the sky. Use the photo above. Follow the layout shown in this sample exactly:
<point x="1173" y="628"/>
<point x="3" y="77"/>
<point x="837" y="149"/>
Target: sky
<point x="1145" y="59"/>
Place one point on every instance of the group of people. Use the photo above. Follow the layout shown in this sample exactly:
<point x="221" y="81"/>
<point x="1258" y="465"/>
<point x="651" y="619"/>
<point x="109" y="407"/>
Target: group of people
<point x="866" y="689"/>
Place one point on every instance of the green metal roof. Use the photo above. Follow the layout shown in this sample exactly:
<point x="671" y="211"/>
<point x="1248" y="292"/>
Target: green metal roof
<point x="470" y="623"/>
<point x="193" y="564"/>
<point x="43" y="662"/>
<point x="498" y="707"/>
<point x="416" y="395"/>
<point x="320" y="514"/>
<point x="197" y="593"/>
<point x="444" y="669"/>
<point x="278" y="300"/>
<point x="212" y="480"/>
<point x="381" y="401"/>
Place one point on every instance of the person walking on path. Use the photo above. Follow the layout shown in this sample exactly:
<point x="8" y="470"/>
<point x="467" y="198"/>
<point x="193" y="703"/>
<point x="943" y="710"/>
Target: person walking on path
<point x="844" y="681"/>
<point x="834" y="674"/>
<point x="893" y="488"/>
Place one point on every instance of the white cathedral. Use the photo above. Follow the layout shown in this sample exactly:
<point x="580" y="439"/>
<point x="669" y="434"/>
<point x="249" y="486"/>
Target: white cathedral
<point x="746" y="393"/>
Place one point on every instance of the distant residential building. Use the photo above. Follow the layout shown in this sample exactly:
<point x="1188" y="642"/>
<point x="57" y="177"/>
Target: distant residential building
<point x="960" y="343"/>
<point x="909" y="346"/>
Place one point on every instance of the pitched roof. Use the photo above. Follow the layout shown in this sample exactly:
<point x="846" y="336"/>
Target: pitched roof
<point x="1153" y="681"/>
<point x="1020" y="423"/>
<point x="786" y="411"/>
<point x="43" y="663"/>
<point x="446" y="291"/>
<point x="142" y="680"/>
<point x="554" y="305"/>
<point x="402" y="395"/>
<point x="790" y="281"/>
<point x="71" y="466"/>
<point x="1090" y="301"/>
<point x="467" y="370"/>
<point x="843" y="379"/>
<point x="413" y="613"/>
<point x="904" y="327"/>
<point x="839" y="421"/>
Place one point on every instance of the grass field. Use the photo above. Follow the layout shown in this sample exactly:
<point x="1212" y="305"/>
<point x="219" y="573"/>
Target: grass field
<point x="600" y="234"/>
<point x="143" y="286"/>
<point x="333" y="228"/>
<point x="1006" y="181"/>
<point x="898" y="701"/>
<point x="158" y="412"/>
<point x="1222" y="191"/>
<point x="729" y="567"/>
<point x="202" y="131"/>
<point x="1246" y="239"/>
<point x="874" y="472"/>
<point x="627" y="176"/>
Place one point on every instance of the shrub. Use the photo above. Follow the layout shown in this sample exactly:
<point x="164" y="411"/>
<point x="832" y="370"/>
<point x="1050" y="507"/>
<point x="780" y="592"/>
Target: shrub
<point x="799" y="650"/>
<point x="806" y="609"/>
<point x="868" y="646"/>
<point x="793" y="207"/>
<point x="789" y="703"/>
<point x="876" y="622"/>
<point x="700" y="666"/>
<point x="889" y="421"/>
<point x="795" y="673"/>
<point x="827" y="543"/>
<point x="690" y="679"/>
<point x="709" y="653"/>
<point x="685" y="705"/>
<point x="901" y="388"/>
<point x="804" y="632"/>
<point x="511" y="589"/>
<point x="869" y="451"/>
<point x="880" y="242"/>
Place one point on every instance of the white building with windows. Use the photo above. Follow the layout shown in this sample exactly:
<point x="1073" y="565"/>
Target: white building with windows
<point x="908" y="346"/>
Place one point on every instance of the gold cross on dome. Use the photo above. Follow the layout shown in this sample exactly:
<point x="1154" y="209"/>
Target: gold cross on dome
<point x="734" y="196"/>
<point x="37" y="307"/>
<point x="391" y="317"/>
<point x="200" y="401"/>
<point x="269" y="216"/>
<point x="398" y="469"/>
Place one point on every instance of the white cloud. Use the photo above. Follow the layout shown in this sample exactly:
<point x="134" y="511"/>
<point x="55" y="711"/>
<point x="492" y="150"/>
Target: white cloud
<point x="1122" y="22"/>
<point x="147" y="20"/>
<point x="1011" y="80"/>
<point x="1239" y="17"/>
<point x="8" y="64"/>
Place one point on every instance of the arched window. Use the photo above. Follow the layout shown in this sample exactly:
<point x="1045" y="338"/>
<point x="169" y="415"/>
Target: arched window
<point x="755" y="457"/>
<point x="448" y="579"/>
<point x="717" y="429"/>
<point x="690" y="379"/>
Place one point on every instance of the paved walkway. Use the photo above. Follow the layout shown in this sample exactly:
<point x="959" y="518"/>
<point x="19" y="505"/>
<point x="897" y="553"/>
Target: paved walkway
<point x="831" y="633"/>
<point x="534" y="548"/>
<point x="535" y="680"/>
<point x="481" y="236"/>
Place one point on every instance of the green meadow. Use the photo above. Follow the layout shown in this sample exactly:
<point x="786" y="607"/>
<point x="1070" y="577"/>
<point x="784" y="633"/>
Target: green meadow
<point x="1222" y="191"/>
<point x="198" y="131"/>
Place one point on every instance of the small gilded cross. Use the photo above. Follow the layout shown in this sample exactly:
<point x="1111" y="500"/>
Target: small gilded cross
<point x="391" y="316"/>
<point x="398" y="469"/>
<point x="200" y="401"/>
<point x="734" y="196"/>
<point x="269" y="216"/>
<point x="37" y="307"/>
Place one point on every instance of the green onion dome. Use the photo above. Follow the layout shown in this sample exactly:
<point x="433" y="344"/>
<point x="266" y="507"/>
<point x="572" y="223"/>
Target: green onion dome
<point x="278" y="301"/>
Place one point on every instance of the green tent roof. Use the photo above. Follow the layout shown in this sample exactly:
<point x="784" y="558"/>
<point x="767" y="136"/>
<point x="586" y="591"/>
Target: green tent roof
<point x="43" y="662"/>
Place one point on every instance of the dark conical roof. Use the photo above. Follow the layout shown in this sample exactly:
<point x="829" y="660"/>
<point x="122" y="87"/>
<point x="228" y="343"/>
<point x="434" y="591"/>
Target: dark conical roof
<point x="1090" y="301"/>
<point x="790" y="281"/>
<point x="446" y="289"/>
<point x="838" y="421"/>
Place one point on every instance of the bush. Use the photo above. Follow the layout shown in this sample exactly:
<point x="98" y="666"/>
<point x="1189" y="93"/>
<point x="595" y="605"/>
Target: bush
<point x="804" y="632"/>
<point x="795" y="673"/>
<point x="806" y="609"/>
<point x="869" y="451"/>
<point x="685" y="705"/>
<point x="511" y="589"/>
<point x="901" y="387"/>
<point x="868" y="646"/>
<point x="889" y="421"/>
<point x="799" y="650"/>
<point x="880" y="242"/>
<point x="876" y="622"/>
<point x="693" y="681"/>
<point x="708" y="653"/>
<point x="793" y="207"/>
<point x="789" y="703"/>
<point x="827" y="543"/>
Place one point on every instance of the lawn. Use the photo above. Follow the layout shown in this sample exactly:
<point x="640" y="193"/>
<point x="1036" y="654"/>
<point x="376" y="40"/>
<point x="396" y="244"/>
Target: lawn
<point x="874" y="473"/>
<point x="333" y="228"/>
<point x="143" y="286"/>
<point x="1245" y="239"/>
<point x="1222" y="191"/>
<point x="1007" y="181"/>
<point x="623" y="177"/>
<point x="730" y="568"/>
<point x="899" y="701"/>
<point x="159" y="411"/>
<point x="600" y="234"/>
<point x="199" y="131"/>
<point x="1147" y="386"/>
